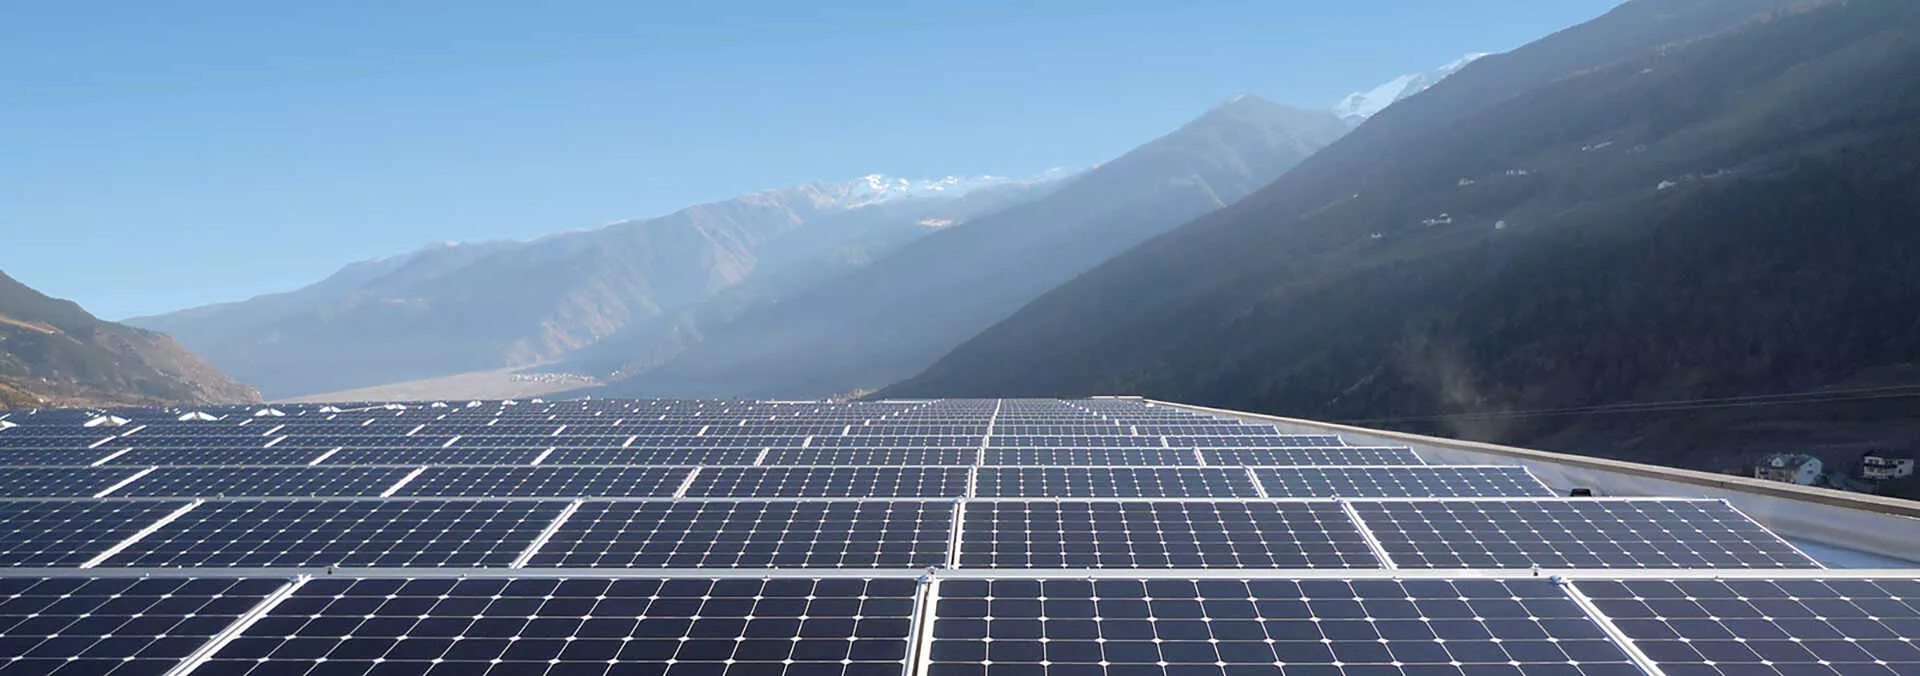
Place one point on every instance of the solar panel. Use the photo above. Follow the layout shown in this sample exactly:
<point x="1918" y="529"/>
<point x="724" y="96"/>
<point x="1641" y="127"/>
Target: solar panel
<point x="546" y="482"/>
<point x="70" y="532"/>
<point x="1114" y="482"/>
<point x="307" y="533"/>
<point x="264" y="481"/>
<point x="1272" y="457"/>
<point x="757" y="534"/>
<point x="829" y="482"/>
<point x="1216" y="626"/>
<point x="433" y="456"/>
<point x="1023" y="534"/>
<point x="869" y="456"/>
<point x="1118" y="457"/>
<point x="793" y="626"/>
<point x="652" y="456"/>
<point x="254" y="455"/>
<point x="14" y="457"/>
<point x="115" y="626"/>
<point x="1768" y="627"/>
<point x="1400" y="482"/>
<point x="1574" y="534"/>
<point x="44" y="482"/>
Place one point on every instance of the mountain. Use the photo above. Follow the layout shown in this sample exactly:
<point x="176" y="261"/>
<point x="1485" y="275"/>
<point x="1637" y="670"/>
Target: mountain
<point x="1359" y="106"/>
<point x="890" y="319"/>
<point x="458" y="308"/>
<point x="1678" y="201"/>
<point x="52" y="352"/>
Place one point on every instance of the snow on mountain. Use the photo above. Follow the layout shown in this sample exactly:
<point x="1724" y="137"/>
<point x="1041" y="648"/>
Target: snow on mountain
<point x="879" y="188"/>
<point x="1359" y="106"/>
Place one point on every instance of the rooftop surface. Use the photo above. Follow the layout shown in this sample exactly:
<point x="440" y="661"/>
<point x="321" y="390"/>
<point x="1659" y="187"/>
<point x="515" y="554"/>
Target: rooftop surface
<point x="946" y="537"/>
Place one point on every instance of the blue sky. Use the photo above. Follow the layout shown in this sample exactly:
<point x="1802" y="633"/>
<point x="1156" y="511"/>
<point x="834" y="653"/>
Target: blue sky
<point x="161" y="155"/>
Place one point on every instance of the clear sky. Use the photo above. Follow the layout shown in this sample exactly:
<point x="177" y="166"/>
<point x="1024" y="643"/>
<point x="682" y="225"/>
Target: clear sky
<point x="161" y="155"/>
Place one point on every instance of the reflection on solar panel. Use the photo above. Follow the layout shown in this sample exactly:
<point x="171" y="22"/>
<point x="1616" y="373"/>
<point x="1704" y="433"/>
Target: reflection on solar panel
<point x="115" y="626"/>
<point x="726" y="534"/>
<point x="71" y="532"/>
<point x="1160" y="535"/>
<point x="546" y="482"/>
<point x="1106" y="537"/>
<point x="1114" y="482"/>
<point x="1574" y="534"/>
<point x="262" y="533"/>
<point x="1400" y="482"/>
<point x="830" y="482"/>
<point x="1266" y="626"/>
<point x="534" y="626"/>
<point x="1768" y="627"/>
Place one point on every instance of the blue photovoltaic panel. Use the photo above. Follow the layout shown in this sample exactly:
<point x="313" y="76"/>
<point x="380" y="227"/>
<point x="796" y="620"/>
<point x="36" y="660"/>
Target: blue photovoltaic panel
<point x="62" y="482"/>
<point x="1112" y="457"/>
<point x="264" y="481"/>
<point x="1574" y="534"/>
<point x="788" y="626"/>
<point x="308" y="533"/>
<point x="1435" y="481"/>
<point x="546" y="482"/>
<point x="829" y="482"/>
<point x="52" y="458"/>
<point x="47" y="533"/>
<point x="1315" y="627"/>
<point x="752" y="534"/>
<point x="869" y="456"/>
<point x="1768" y="627"/>
<point x="1068" y="534"/>
<point x="162" y="457"/>
<point x="1272" y="457"/>
<point x="652" y="456"/>
<point x="1114" y="482"/>
<point x="433" y="456"/>
<point x="75" y="626"/>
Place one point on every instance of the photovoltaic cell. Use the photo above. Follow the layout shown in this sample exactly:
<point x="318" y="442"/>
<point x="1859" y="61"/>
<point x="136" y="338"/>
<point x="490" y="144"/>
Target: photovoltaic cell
<point x="69" y="532"/>
<point x="15" y="457"/>
<point x="829" y="482"/>
<point x="1434" y="481"/>
<point x="869" y="456"/>
<point x="433" y="456"/>
<point x="1574" y="534"/>
<point x="757" y="534"/>
<point x="1161" y="535"/>
<point x="163" y="457"/>
<point x="849" y="627"/>
<point x="563" y="482"/>
<point x="1114" y="482"/>
<point x="306" y="533"/>
<point x="652" y="456"/>
<point x="1768" y="627"/>
<point x="1316" y="627"/>
<point x="115" y="626"/>
<point x="1116" y="457"/>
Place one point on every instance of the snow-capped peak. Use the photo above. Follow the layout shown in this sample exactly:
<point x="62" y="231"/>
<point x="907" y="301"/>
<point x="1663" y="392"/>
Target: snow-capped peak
<point x="880" y="188"/>
<point x="1357" y="107"/>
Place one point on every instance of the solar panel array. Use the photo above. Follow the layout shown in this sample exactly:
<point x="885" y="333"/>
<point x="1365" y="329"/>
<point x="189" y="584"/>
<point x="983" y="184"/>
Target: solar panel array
<point x="951" y="537"/>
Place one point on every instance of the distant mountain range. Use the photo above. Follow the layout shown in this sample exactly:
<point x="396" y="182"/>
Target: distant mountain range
<point x="1680" y="200"/>
<point x="456" y="308"/>
<point x="53" y="353"/>
<point x="886" y="321"/>
<point x="1359" y="106"/>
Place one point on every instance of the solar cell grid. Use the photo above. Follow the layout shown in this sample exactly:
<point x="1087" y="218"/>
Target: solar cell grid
<point x="652" y="456"/>
<point x="1268" y="457"/>
<point x="306" y="533"/>
<point x="64" y="482"/>
<point x="1116" y="457"/>
<point x="1114" y="482"/>
<point x="752" y="534"/>
<point x="1767" y="627"/>
<point x="1400" y="482"/>
<point x="1574" y="534"/>
<point x="70" y="532"/>
<point x="115" y="626"/>
<point x="1332" y="627"/>
<point x="780" y="626"/>
<point x="1004" y="441"/>
<point x="1253" y="441"/>
<point x="52" y="457"/>
<point x="164" y="457"/>
<point x="829" y="482"/>
<point x="1020" y="534"/>
<point x="869" y="456"/>
<point x="432" y="456"/>
<point x="555" y="482"/>
<point x="264" y="481"/>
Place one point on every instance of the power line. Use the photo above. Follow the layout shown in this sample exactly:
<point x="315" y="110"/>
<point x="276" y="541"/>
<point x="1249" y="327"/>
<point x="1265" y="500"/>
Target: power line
<point x="1782" y="399"/>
